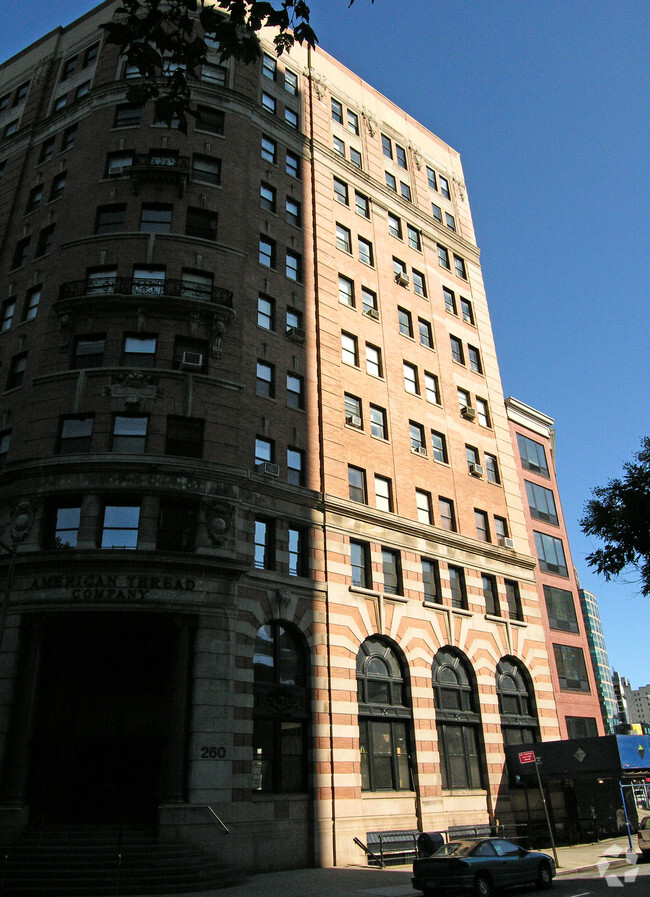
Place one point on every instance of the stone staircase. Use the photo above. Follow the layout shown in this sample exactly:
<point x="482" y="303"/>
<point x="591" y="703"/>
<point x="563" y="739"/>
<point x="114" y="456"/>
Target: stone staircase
<point x="89" y="861"/>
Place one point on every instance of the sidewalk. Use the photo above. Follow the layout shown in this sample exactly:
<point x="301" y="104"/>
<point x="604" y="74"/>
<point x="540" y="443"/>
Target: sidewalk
<point x="361" y="881"/>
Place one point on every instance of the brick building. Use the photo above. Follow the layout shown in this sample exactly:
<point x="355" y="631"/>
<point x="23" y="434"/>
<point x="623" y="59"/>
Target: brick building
<point x="262" y="520"/>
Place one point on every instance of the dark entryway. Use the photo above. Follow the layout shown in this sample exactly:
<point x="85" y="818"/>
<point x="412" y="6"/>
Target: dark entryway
<point x="102" y="718"/>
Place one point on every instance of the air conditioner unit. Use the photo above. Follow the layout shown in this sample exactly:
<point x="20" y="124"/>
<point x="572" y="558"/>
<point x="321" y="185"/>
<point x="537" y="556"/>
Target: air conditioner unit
<point x="505" y="542"/>
<point x="268" y="468"/>
<point x="296" y="334"/>
<point x="419" y="450"/>
<point x="371" y="313"/>
<point x="402" y="278"/>
<point x="476" y="470"/>
<point x="468" y="413"/>
<point x="192" y="360"/>
<point x="353" y="420"/>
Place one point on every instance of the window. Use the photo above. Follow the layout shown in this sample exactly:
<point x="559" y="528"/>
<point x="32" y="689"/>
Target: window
<point x="472" y="456"/>
<point x="392" y="571"/>
<point x="267" y="197"/>
<point x="482" y="525"/>
<point x="34" y="198"/>
<point x="541" y="503"/>
<point x="120" y="526"/>
<point x="148" y="281"/>
<point x="293" y="266"/>
<point x="361" y="204"/>
<point x="450" y="301"/>
<point x="201" y="223"/>
<point x="447" y="514"/>
<point x="459" y="265"/>
<point x="439" y="442"/>
<point x="20" y="253"/>
<point x="16" y="373"/>
<point x="513" y="600"/>
<point x="110" y="219"/>
<point x="292" y="165"/>
<point x="196" y="285"/>
<point x="61" y="101"/>
<point x="291" y="118"/>
<point x="206" y="169"/>
<point x="353" y="122"/>
<point x="349" y="349"/>
<point x="295" y="467"/>
<point x="298" y="551"/>
<point x="346" y="291"/>
<point x="127" y="116"/>
<point x="337" y="111"/>
<point x="118" y="163"/>
<point x="464" y="400"/>
<point x="500" y="526"/>
<point x="532" y="454"/>
<point x="432" y="388"/>
<point x="357" y="484"/>
<point x="47" y="150"/>
<point x="129" y="434"/>
<point x="265" y="312"/>
<point x="411" y="383"/>
<point x="492" y="469"/>
<point x="76" y="433"/>
<point x="443" y="257"/>
<point x="82" y="90"/>
<point x="293" y="211"/>
<point x="69" y="68"/>
<point x="5" y="443"/>
<point x="561" y="609"/>
<point x="436" y="212"/>
<point x="265" y="382"/>
<point x="424" y="506"/>
<point x="384" y="718"/>
<point x="457" y="586"/>
<point x="491" y="595"/>
<point x="444" y="187"/>
<point x="426" y="336"/>
<point x="190" y="354"/>
<point x="474" y="359"/>
<point x="44" y="243"/>
<point x="581" y="727"/>
<point x="482" y="412"/>
<point x="387" y="146"/>
<point x="184" y="436"/>
<point x="516" y="703"/>
<point x="431" y="178"/>
<point x="378" y="424"/>
<point x="394" y="226"/>
<point x="7" y="313"/>
<point x="68" y="139"/>
<point x="269" y="67"/>
<point x="156" y="218"/>
<point x="416" y="434"/>
<point x="353" y="415"/>
<point x="209" y="119"/>
<point x="431" y="581"/>
<point x="139" y="351"/>
<point x="457" y="353"/>
<point x="268" y="102"/>
<point x="339" y="146"/>
<point x="340" y="191"/>
<point x="369" y="302"/>
<point x="355" y="157"/>
<point x="21" y="94"/>
<point x="550" y="553"/>
<point x="343" y="238"/>
<point x="269" y="149"/>
<point x="293" y="320"/>
<point x="267" y="252"/>
<point x="4" y="102"/>
<point x="279" y="728"/>
<point x="399" y="271"/>
<point x="400" y="156"/>
<point x="90" y="55"/>
<point x="383" y="494"/>
<point x="419" y="283"/>
<point x="365" y="252"/>
<point x="405" y="322"/>
<point x="360" y="565"/>
<point x="291" y="82"/>
<point x="264" y="450"/>
<point x="405" y="190"/>
<point x="10" y="129"/>
<point x="65" y="517"/>
<point x="571" y="669"/>
<point x="264" y="544"/>
<point x="89" y="351"/>
<point x="295" y="391"/>
<point x="58" y="185"/>
<point x="391" y="182"/>
<point x="458" y="722"/>
<point x="373" y="360"/>
<point x="176" y="526"/>
<point x="466" y="309"/>
<point x="31" y="303"/>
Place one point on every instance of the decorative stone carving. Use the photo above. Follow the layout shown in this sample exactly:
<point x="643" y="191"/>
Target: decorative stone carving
<point x="417" y="158"/>
<point x="370" y="122"/>
<point x="219" y="519"/>
<point x="280" y="700"/>
<point x="22" y="517"/>
<point x="460" y="189"/>
<point x="65" y="323"/>
<point x="133" y="387"/>
<point x="216" y="336"/>
<point x="283" y="599"/>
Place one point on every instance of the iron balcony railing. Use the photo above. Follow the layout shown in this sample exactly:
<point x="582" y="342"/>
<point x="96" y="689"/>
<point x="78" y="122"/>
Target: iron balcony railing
<point x="161" y="159"/>
<point x="141" y="286"/>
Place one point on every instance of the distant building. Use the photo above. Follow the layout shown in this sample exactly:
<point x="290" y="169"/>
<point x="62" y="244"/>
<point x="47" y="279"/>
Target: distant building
<point x="599" y="658"/>
<point x="638" y="704"/>
<point x="621" y="688"/>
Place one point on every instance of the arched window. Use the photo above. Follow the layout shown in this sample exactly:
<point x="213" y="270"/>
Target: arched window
<point x="457" y="721"/>
<point x="519" y="722"/>
<point x="384" y="718"/>
<point x="281" y="710"/>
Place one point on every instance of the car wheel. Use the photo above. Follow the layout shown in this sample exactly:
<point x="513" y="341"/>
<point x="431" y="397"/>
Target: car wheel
<point x="483" y="886"/>
<point x="544" y="877"/>
<point x="645" y="856"/>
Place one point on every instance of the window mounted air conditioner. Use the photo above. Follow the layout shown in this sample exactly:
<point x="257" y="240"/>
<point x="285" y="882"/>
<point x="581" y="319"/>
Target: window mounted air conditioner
<point x="468" y="413"/>
<point x="296" y="334"/>
<point x="401" y="277"/>
<point x="476" y="470"/>
<point x="268" y="468"/>
<point x="192" y="360"/>
<point x="353" y="420"/>
<point x="371" y="313"/>
<point x="419" y="450"/>
<point x="505" y="542"/>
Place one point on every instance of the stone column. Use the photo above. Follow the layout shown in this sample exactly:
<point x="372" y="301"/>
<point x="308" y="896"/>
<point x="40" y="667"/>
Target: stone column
<point x="175" y="759"/>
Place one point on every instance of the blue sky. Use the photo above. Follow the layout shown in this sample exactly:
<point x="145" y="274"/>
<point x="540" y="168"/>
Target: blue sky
<point x="548" y="104"/>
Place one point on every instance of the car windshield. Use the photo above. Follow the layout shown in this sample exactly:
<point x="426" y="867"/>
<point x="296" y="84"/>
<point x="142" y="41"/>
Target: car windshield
<point x="456" y="849"/>
<point x="645" y="822"/>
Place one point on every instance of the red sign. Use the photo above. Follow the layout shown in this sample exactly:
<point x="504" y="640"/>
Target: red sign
<point x="527" y="757"/>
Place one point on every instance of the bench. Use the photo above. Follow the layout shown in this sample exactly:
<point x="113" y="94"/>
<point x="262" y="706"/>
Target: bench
<point x="390" y="848"/>
<point x="454" y="832"/>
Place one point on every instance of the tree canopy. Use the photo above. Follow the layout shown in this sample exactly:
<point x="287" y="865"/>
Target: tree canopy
<point x="160" y="39"/>
<point x="619" y="515"/>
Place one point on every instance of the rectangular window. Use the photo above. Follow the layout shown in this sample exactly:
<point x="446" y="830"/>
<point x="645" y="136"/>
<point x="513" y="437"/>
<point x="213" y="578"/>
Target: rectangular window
<point x="343" y="238"/>
<point x="269" y="149"/>
<point x="482" y="525"/>
<point x="127" y="116"/>
<point x="466" y="308"/>
<point x="295" y="467"/>
<point x="5" y="443"/>
<point x="58" y="185"/>
<point x="378" y="424"/>
<point x="357" y="484"/>
<point x="532" y="454"/>
<point x="491" y="595"/>
<point x="349" y="349"/>
<point x="118" y="163"/>
<point x="76" y="433"/>
<point x="355" y="157"/>
<point x="513" y="599"/>
<point x="184" y="436"/>
<point x="346" y="291"/>
<point x="365" y="252"/>
<point x="292" y="165"/>
<point x="31" y="304"/>
<point x="439" y="442"/>
<point x="265" y="312"/>
<point x="472" y="457"/>
<point x="34" y="198"/>
<point x="47" y="150"/>
<point x="267" y="197"/>
<point x="424" y="506"/>
<point x="209" y="119"/>
<point x="110" y="219"/>
<point x="120" y="526"/>
<point x="269" y="67"/>
<point x="295" y="391"/>
<point x="500" y="529"/>
<point x="337" y="111"/>
<point x="66" y="517"/>
<point x="581" y="727"/>
<point x="176" y="526"/>
<point x="196" y="285"/>
<point x="411" y="383"/>
<point x="416" y="434"/>
<point x="426" y="336"/>
<point x="436" y="212"/>
<point x="492" y="468"/>
<point x="459" y="265"/>
<point x="16" y="374"/>
<point x="450" y="301"/>
<point x="129" y="434"/>
<point x="541" y="503"/>
<point x="373" y="360"/>
<point x="293" y="211"/>
<point x="399" y="271"/>
<point x="190" y="354"/>
<point x="68" y="139"/>
<point x="405" y="190"/>
<point x="267" y="252"/>
<point x="69" y="68"/>
<point x="383" y="493"/>
<point x="45" y="239"/>
<point x="387" y="146"/>
<point x="139" y="351"/>
<point x="339" y="146"/>
<point x="292" y="118"/>
<point x="265" y="380"/>
<point x="400" y="156"/>
<point x="561" y="610"/>
<point x="457" y="585"/>
<point x="432" y="388"/>
<point x="447" y="514"/>
<point x="201" y="223"/>
<point x="353" y="123"/>
<point x="413" y="237"/>
<point x="482" y="412"/>
<point x="571" y="669"/>
<point x="298" y="545"/>
<point x="206" y="169"/>
<point x="405" y="322"/>
<point x="464" y="400"/>
<point x="293" y="266"/>
<point x="419" y="283"/>
<point x="264" y="450"/>
<point x="361" y="204"/>
<point x="214" y="74"/>
<point x="431" y="580"/>
<point x="7" y="313"/>
<point x="353" y="415"/>
<point x="89" y="351"/>
<point x="156" y="218"/>
<point x="341" y="191"/>
<point x="431" y="178"/>
<point x="474" y="359"/>
<point x="444" y="187"/>
<point x="443" y="257"/>
<point x="264" y="545"/>
<point x="394" y="226"/>
<point x="360" y="564"/>
<point x="391" y="181"/>
<point x="457" y="353"/>
<point x="148" y="281"/>
<point x="291" y="82"/>
<point x="392" y="571"/>
<point x="450" y="221"/>
<point x="550" y="553"/>
<point x="268" y="102"/>
<point x="369" y="303"/>
<point x="20" y="253"/>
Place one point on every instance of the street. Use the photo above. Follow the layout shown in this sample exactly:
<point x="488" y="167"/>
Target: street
<point x="628" y="881"/>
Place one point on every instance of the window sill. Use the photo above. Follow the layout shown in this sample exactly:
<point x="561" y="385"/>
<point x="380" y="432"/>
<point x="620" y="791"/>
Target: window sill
<point x="462" y="611"/>
<point x="359" y="590"/>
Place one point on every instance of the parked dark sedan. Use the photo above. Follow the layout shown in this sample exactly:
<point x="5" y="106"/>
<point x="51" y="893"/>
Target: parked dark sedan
<point x="481" y="867"/>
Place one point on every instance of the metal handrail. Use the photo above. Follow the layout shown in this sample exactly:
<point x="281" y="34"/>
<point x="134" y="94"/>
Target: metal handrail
<point x="146" y="286"/>
<point x="216" y="817"/>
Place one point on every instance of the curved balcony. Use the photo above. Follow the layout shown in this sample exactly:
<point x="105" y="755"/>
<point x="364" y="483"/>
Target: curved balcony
<point x="159" y="166"/>
<point x="119" y="288"/>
